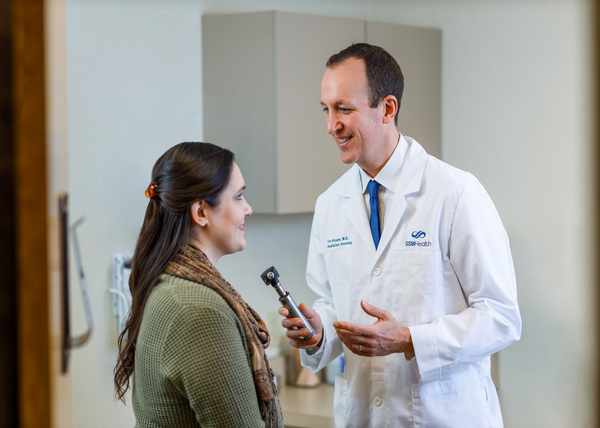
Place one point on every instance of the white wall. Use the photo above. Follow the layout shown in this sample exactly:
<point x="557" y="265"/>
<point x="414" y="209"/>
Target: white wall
<point x="516" y="112"/>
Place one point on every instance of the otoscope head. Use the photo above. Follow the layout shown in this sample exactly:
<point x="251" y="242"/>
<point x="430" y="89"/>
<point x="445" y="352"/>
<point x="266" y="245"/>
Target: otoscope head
<point x="270" y="276"/>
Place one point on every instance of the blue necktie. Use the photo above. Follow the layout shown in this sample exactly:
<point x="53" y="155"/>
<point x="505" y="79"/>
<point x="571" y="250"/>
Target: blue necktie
<point x="374" y="220"/>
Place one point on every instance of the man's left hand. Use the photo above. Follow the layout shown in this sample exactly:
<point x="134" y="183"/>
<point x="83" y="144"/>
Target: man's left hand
<point x="386" y="336"/>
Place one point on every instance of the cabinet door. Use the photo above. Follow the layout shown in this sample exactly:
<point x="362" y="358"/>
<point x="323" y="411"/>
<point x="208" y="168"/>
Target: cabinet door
<point x="239" y="97"/>
<point x="308" y="159"/>
<point x="418" y="51"/>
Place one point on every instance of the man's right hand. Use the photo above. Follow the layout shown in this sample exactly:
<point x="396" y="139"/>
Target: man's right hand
<point x="296" y="334"/>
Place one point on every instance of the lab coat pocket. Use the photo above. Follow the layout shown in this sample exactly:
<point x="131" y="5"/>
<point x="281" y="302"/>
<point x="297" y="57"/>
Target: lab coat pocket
<point x="339" y="400"/>
<point x="443" y="403"/>
<point x="339" y="261"/>
<point x="418" y="295"/>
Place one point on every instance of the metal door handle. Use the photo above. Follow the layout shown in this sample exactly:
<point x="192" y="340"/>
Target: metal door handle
<point x="70" y="342"/>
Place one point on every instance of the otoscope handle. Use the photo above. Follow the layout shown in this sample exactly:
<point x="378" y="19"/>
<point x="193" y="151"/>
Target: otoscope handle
<point x="271" y="277"/>
<point x="295" y="312"/>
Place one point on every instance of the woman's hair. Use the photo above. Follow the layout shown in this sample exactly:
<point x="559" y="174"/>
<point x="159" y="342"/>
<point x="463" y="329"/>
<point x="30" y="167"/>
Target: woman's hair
<point x="384" y="75"/>
<point x="184" y="174"/>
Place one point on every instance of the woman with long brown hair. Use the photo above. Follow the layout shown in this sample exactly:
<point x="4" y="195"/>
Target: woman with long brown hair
<point x="193" y="347"/>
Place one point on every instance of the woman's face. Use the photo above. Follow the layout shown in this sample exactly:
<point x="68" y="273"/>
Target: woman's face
<point x="224" y="229"/>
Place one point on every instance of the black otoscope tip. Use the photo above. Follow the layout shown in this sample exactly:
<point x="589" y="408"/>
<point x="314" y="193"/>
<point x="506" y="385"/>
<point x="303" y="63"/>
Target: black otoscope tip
<point x="270" y="275"/>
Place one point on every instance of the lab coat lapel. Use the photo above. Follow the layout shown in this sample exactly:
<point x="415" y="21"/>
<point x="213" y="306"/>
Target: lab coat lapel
<point x="410" y="181"/>
<point x="357" y="212"/>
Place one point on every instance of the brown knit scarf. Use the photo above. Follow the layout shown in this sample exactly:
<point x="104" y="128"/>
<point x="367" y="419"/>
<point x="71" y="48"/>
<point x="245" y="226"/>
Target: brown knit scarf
<point x="193" y="265"/>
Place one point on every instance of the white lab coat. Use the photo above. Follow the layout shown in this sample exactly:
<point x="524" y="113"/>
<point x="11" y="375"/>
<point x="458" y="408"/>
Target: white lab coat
<point x="443" y="268"/>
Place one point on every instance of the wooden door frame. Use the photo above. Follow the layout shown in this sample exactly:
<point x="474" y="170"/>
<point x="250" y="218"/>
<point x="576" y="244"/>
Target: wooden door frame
<point x="31" y="230"/>
<point x="40" y="175"/>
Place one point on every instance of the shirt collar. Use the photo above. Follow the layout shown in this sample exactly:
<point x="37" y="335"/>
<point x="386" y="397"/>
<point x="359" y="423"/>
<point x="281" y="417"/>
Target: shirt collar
<point x="389" y="176"/>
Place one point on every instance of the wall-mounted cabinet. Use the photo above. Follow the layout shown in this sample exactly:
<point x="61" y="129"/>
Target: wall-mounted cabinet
<point x="262" y="83"/>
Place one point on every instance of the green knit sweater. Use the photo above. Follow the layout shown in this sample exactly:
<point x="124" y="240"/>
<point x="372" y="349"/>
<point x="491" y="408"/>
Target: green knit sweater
<point x="192" y="366"/>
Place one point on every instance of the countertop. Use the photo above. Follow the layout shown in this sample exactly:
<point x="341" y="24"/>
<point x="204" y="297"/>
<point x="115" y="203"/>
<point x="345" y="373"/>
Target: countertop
<point x="307" y="407"/>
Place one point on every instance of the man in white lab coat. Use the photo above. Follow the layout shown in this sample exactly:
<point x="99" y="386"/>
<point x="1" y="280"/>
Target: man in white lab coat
<point x="417" y="296"/>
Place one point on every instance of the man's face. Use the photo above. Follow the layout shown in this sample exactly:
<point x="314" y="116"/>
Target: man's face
<point x="356" y="127"/>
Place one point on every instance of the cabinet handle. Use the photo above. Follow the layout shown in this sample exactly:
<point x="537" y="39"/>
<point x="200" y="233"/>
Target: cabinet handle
<point x="70" y="342"/>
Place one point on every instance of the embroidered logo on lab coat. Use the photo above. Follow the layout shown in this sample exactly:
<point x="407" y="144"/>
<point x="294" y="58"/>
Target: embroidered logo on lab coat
<point x="418" y="235"/>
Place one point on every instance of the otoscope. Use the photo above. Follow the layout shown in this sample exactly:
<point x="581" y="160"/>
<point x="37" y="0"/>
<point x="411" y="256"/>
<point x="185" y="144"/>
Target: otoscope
<point x="271" y="277"/>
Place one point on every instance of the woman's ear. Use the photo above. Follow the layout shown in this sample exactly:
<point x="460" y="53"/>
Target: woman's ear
<point x="198" y="211"/>
<point x="390" y="107"/>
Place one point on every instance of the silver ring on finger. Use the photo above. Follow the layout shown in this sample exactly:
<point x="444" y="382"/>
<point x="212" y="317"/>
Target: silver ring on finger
<point x="359" y="348"/>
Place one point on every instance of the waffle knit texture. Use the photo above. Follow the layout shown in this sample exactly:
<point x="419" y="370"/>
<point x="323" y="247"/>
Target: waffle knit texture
<point x="194" y="364"/>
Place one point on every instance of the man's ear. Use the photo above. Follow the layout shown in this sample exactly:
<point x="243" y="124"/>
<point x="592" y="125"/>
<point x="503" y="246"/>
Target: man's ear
<point x="198" y="211"/>
<point x="390" y="107"/>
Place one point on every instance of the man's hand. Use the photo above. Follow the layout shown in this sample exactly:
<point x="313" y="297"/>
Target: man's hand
<point x="386" y="336"/>
<point x="295" y="333"/>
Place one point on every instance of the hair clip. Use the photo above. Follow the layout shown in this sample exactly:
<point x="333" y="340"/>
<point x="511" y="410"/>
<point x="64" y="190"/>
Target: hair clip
<point x="150" y="193"/>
